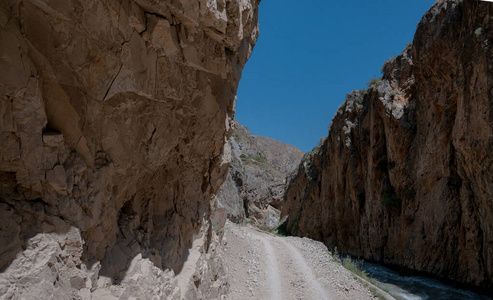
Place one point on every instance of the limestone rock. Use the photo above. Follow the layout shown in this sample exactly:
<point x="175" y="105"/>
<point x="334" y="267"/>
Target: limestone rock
<point x="405" y="177"/>
<point x="256" y="181"/>
<point x="113" y="120"/>
<point x="57" y="178"/>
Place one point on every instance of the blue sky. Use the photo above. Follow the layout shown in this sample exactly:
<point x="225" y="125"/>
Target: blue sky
<point x="310" y="54"/>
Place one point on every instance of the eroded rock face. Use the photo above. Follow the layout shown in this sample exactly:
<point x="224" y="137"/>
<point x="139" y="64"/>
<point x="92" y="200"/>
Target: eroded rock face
<point x="405" y="176"/>
<point x="114" y="116"/>
<point x="256" y="181"/>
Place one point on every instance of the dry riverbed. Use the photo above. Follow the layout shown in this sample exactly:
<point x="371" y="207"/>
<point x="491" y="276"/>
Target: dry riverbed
<point x="265" y="266"/>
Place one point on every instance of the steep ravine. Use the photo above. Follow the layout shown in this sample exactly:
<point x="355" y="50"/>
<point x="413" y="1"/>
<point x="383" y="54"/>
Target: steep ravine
<point x="114" y="117"/>
<point x="405" y="176"/>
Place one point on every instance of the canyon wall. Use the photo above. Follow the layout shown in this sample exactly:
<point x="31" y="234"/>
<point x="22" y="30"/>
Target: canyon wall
<point x="405" y="176"/>
<point x="114" y="118"/>
<point x="256" y="181"/>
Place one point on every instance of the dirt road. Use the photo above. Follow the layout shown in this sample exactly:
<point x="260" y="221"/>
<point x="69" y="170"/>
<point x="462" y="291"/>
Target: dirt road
<point x="265" y="266"/>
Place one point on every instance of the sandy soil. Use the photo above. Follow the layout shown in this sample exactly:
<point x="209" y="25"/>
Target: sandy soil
<point x="265" y="266"/>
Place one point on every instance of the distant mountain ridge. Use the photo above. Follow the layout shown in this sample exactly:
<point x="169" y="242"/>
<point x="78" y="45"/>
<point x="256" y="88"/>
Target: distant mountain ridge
<point x="257" y="176"/>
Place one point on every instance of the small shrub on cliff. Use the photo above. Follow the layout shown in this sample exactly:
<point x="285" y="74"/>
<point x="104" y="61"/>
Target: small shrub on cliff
<point x="259" y="159"/>
<point x="342" y="107"/>
<point x="374" y="81"/>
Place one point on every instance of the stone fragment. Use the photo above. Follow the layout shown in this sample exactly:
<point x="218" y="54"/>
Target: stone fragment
<point x="57" y="178"/>
<point x="52" y="139"/>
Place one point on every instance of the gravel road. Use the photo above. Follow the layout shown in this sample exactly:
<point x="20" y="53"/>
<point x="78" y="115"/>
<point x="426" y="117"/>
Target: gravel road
<point x="265" y="266"/>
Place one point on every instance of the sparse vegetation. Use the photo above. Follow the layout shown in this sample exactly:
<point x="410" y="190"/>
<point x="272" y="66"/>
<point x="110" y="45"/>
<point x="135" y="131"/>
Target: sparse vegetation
<point x="386" y="64"/>
<point x="282" y="229"/>
<point x="373" y="82"/>
<point x="358" y="273"/>
<point x="259" y="159"/>
<point x="256" y="160"/>
<point x="361" y="99"/>
<point x="352" y="266"/>
<point x="279" y="230"/>
<point x="376" y="294"/>
<point x="265" y="228"/>
<point x="342" y="107"/>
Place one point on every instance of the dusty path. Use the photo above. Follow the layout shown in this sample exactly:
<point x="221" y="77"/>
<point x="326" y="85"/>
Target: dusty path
<point x="265" y="266"/>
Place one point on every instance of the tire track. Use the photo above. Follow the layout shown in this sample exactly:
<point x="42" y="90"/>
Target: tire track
<point x="272" y="272"/>
<point x="263" y="266"/>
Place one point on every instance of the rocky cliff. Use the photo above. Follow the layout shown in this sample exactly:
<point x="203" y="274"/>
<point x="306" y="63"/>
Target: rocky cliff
<point x="114" y="118"/>
<point x="405" y="176"/>
<point x="256" y="182"/>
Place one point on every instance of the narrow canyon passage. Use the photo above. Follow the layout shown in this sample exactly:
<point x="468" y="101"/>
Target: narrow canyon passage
<point x="265" y="266"/>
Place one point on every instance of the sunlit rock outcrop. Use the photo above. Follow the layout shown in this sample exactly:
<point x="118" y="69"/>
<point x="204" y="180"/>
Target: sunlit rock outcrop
<point x="256" y="182"/>
<point x="114" y="117"/>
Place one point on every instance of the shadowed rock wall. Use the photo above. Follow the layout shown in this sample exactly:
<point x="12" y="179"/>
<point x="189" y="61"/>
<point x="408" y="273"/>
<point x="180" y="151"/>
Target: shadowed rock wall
<point x="405" y="176"/>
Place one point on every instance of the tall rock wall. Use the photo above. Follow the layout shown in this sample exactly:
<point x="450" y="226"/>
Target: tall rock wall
<point x="405" y="176"/>
<point x="114" y="117"/>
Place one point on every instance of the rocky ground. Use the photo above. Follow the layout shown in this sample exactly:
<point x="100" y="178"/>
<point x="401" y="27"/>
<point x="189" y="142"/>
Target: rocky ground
<point x="265" y="266"/>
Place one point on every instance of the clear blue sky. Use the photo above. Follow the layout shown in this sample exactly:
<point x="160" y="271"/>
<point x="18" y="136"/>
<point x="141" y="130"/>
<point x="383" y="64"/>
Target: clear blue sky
<point x="310" y="54"/>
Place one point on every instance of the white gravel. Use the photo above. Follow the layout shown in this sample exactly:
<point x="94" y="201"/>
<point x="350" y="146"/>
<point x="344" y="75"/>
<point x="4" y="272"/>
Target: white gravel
<point x="264" y="266"/>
